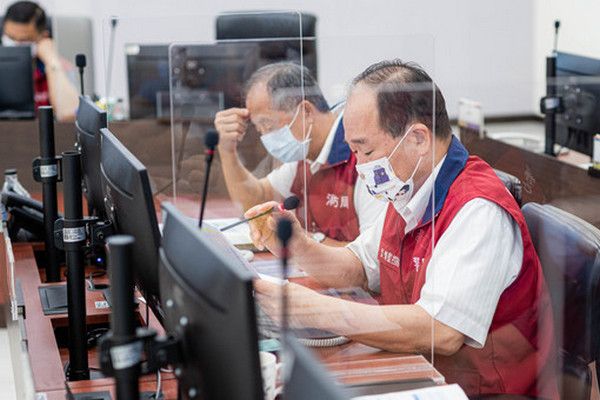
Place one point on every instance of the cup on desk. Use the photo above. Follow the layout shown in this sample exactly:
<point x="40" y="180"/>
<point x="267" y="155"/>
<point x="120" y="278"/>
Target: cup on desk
<point x="269" y="370"/>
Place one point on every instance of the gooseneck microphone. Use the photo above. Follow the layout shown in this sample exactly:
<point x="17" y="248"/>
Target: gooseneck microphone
<point x="284" y="233"/>
<point x="211" y="139"/>
<point x="80" y="62"/>
<point x="288" y="204"/>
<point x="556" y="28"/>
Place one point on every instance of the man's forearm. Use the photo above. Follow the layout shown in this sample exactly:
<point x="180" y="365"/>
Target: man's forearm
<point x="335" y="267"/>
<point x="63" y="95"/>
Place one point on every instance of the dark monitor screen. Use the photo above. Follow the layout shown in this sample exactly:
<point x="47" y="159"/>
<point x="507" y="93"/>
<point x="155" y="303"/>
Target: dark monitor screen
<point x="16" y="83"/>
<point x="306" y="378"/>
<point x="129" y="206"/>
<point x="578" y="83"/>
<point x="205" y="77"/>
<point x="209" y="306"/>
<point x="147" y="78"/>
<point x="90" y="119"/>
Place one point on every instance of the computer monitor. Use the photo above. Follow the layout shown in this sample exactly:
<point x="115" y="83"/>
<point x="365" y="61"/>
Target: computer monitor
<point x="90" y="119"/>
<point x="16" y="80"/>
<point x="205" y="77"/>
<point x="578" y="83"/>
<point x="129" y="206"/>
<point x="306" y="378"/>
<point x="147" y="77"/>
<point x="209" y="306"/>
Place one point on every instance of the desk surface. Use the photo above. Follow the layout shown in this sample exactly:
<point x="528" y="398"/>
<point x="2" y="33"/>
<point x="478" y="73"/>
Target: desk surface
<point x="545" y="179"/>
<point x="352" y="363"/>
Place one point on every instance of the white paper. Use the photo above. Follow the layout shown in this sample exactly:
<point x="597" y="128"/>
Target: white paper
<point x="442" y="392"/>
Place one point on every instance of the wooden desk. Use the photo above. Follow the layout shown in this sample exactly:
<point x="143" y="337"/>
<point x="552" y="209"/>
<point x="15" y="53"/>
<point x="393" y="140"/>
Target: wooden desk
<point x="545" y="179"/>
<point x="351" y="363"/>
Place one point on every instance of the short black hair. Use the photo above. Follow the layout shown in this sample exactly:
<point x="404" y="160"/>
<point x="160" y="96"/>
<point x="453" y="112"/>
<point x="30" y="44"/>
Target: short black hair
<point x="25" y="12"/>
<point x="285" y="82"/>
<point x="405" y="94"/>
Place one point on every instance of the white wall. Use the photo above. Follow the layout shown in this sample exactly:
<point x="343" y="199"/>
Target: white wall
<point x="483" y="49"/>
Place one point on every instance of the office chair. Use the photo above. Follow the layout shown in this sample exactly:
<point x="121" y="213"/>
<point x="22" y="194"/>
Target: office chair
<point x="513" y="184"/>
<point x="272" y="25"/>
<point x="568" y="248"/>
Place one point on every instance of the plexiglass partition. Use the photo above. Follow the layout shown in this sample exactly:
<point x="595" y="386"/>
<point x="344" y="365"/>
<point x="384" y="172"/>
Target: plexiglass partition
<point x="401" y="239"/>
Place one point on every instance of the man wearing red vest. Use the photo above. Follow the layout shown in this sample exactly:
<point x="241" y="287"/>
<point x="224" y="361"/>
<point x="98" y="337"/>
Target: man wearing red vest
<point x="25" y="25"/>
<point x="297" y="127"/>
<point x="452" y="261"/>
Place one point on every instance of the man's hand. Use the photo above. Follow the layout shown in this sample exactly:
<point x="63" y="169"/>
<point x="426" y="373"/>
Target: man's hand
<point x="231" y="125"/>
<point x="45" y="51"/>
<point x="305" y="305"/>
<point x="263" y="230"/>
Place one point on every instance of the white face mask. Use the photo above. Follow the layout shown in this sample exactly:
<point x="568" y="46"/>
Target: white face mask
<point x="282" y="144"/>
<point x="8" y="42"/>
<point x="383" y="184"/>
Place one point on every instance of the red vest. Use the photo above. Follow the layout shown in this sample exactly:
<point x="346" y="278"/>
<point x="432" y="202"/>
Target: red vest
<point x="519" y="355"/>
<point x="40" y="87"/>
<point x="330" y="193"/>
<point x="330" y="199"/>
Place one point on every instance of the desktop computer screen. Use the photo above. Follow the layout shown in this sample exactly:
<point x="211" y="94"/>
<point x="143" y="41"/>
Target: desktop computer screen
<point x="90" y="119"/>
<point x="129" y="206"/>
<point x="578" y="83"/>
<point x="16" y="80"/>
<point x="209" y="305"/>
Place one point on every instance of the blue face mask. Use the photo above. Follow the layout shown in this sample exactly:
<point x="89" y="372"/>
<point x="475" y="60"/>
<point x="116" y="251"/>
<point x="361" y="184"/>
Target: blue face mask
<point x="282" y="144"/>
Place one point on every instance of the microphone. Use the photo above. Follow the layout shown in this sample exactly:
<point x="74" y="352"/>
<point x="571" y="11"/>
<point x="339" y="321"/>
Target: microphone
<point x="111" y="48"/>
<point x="284" y="233"/>
<point x="288" y="204"/>
<point x="211" y="139"/>
<point x="80" y="63"/>
<point x="556" y="27"/>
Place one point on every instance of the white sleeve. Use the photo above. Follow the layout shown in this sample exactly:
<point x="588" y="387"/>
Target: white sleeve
<point x="479" y="255"/>
<point x="366" y="248"/>
<point x="368" y="209"/>
<point x="281" y="178"/>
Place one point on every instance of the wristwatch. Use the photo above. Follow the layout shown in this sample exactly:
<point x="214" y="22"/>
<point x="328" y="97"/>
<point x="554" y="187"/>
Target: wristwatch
<point x="318" y="236"/>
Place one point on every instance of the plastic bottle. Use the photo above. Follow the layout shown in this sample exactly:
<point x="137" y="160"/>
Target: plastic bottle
<point x="12" y="184"/>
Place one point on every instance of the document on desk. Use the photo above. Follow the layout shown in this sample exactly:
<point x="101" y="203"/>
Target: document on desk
<point x="239" y="235"/>
<point x="442" y="392"/>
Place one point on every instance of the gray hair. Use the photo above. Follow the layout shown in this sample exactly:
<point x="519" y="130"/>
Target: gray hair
<point x="284" y="82"/>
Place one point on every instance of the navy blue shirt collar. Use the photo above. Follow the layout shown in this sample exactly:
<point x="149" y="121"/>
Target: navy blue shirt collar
<point x="340" y="151"/>
<point x="455" y="161"/>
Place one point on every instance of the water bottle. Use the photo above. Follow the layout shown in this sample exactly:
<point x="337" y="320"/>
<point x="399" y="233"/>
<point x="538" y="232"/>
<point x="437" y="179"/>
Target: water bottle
<point x="12" y="184"/>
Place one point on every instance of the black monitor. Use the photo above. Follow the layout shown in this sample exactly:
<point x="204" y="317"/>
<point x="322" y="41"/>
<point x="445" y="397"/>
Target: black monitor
<point x="578" y="83"/>
<point x="90" y="119"/>
<point x="129" y="206"/>
<point x="16" y="82"/>
<point x="306" y="378"/>
<point x="147" y="78"/>
<point x="209" y="306"/>
<point x="206" y="78"/>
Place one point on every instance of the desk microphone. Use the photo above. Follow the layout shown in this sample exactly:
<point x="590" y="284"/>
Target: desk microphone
<point x="211" y="139"/>
<point x="80" y="63"/>
<point x="284" y="233"/>
<point x="288" y="204"/>
<point x="556" y="27"/>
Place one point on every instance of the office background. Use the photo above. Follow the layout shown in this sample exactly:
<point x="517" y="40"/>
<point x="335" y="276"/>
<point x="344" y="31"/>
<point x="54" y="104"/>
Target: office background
<point x="486" y="50"/>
